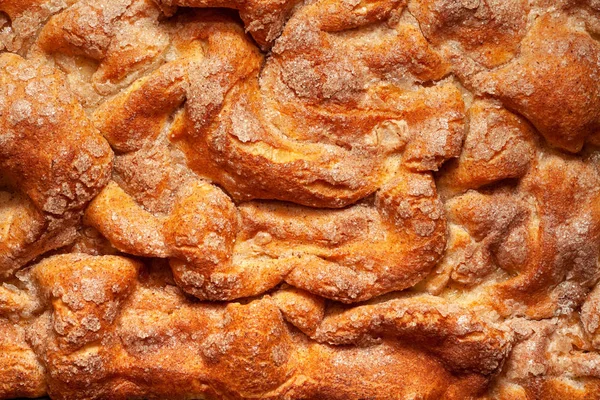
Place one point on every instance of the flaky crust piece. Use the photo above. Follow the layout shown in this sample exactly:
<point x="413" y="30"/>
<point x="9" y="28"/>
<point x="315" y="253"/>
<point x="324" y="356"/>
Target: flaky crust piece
<point x="286" y="199"/>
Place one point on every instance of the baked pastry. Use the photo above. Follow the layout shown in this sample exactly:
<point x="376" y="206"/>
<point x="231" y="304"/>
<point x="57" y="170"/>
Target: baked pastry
<point x="285" y="199"/>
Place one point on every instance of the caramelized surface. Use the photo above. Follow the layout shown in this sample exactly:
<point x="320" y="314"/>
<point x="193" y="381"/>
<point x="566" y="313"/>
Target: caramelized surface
<point x="349" y="199"/>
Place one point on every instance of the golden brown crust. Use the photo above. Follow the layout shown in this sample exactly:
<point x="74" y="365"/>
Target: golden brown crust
<point x="544" y="236"/>
<point x="324" y="199"/>
<point x="498" y="146"/>
<point x="561" y="99"/>
<point x="348" y="255"/>
<point x="51" y="154"/>
<point x="264" y="19"/>
<point x="104" y="333"/>
<point x="553" y="359"/>
<point x="129" y="39"/>
<point x="21" y="375"/>
<point x="20" y="21"/>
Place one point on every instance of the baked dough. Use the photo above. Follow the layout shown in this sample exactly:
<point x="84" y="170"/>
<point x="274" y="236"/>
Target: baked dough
<point x="285" y="199"/>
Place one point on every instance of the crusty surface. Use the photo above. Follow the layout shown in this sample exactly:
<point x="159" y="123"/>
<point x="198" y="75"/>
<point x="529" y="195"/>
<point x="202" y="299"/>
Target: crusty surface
<point x="51" y="154"/>
<point x="285" y="199"/>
